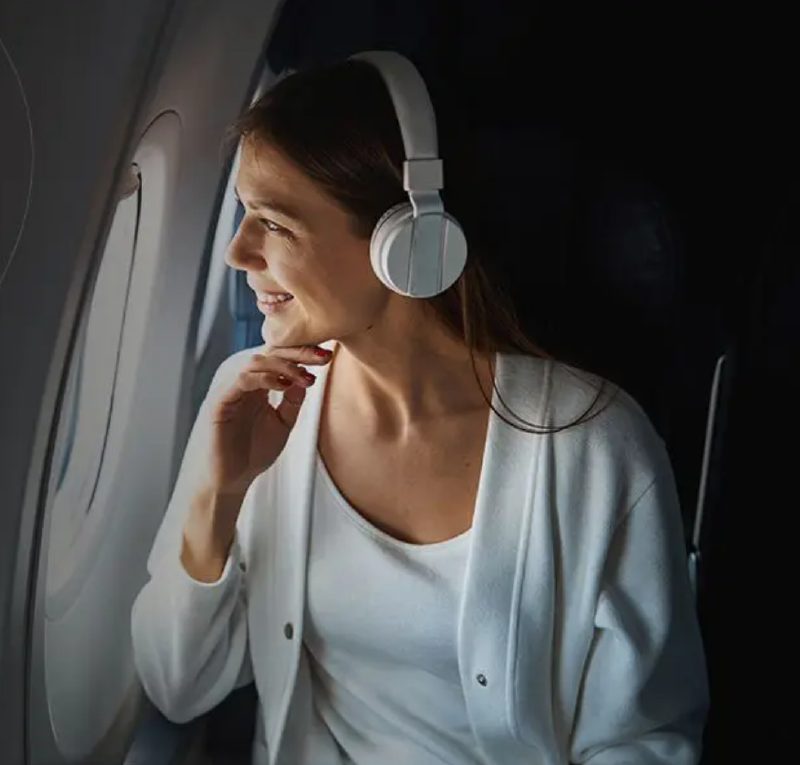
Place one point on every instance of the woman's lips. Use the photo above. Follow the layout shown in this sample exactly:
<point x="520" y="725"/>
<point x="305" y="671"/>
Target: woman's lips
<point x="270" y="308"/>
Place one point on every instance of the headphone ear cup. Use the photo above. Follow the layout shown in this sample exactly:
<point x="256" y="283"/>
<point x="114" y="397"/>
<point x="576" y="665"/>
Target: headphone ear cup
<point x="386" y="230"/>
<point x="419" y="257"/>
<point x="400" y="207"/>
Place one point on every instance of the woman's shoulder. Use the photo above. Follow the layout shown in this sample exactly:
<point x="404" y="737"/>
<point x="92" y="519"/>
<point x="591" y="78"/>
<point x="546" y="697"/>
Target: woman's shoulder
<point x="616" y="434"/>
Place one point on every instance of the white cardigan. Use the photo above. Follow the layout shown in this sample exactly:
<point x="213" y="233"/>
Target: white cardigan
<point x="577" y="637"/>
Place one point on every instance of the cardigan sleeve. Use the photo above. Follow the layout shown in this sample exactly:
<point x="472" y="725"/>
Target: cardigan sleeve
<point x="644" y="691"/>
<point x="190" y="641"/>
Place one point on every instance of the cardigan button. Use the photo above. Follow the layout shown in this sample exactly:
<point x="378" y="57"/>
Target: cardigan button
<point x="288" y="630"/>
<point x="481" y="679"/>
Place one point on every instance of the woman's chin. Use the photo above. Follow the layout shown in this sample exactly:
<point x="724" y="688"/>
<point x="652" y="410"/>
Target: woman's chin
<point x="276" y="335"/>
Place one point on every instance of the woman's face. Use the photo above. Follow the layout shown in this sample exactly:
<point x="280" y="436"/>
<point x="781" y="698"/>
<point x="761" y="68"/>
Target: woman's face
<point x="295" y="238"/>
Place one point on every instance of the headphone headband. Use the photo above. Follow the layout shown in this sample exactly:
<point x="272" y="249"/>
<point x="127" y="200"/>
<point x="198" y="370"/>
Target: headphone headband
<point x="416" y="249"/>
<point x="422" y="170"/>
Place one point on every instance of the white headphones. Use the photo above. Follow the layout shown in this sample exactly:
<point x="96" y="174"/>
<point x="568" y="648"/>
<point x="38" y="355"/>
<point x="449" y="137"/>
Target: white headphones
<point x="417" y="249"/>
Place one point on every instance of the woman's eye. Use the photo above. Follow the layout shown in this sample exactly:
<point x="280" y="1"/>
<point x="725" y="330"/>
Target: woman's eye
<point x="272" y="226"/>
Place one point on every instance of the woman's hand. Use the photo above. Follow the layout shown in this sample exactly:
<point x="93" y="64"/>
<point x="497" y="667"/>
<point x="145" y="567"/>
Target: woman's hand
<point x="247" y="432"/>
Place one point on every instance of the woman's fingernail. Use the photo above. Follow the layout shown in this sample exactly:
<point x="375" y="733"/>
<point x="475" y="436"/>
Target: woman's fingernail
<point x="321" y="352"/>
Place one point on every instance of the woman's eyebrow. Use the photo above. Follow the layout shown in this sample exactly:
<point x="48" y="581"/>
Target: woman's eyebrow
<point x="273" y="204"/>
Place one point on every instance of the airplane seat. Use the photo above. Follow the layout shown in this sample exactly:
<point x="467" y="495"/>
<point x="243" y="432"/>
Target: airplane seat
<point x="747" y="559"/>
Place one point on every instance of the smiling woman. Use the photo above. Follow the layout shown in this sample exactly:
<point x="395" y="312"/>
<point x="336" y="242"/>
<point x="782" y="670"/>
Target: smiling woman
<point x="307" y="248"/>
<point x="325" y="168"/>
<point x="469" y="555"/>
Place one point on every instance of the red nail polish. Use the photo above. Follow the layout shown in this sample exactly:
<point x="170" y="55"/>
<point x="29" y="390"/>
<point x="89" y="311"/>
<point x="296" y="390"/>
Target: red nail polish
<point x="321" y="352"/>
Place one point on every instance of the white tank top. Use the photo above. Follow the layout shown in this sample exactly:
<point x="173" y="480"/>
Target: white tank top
<point x="380" y="636"/>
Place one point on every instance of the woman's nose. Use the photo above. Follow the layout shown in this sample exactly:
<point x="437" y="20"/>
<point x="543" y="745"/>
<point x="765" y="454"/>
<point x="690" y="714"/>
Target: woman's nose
<point x="243" y="254"/>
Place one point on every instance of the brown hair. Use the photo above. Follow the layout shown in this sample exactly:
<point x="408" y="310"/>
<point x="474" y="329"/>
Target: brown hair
<point x="337" y="123"/>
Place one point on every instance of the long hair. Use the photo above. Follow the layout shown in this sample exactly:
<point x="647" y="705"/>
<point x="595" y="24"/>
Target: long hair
<point x="337" y="124"/>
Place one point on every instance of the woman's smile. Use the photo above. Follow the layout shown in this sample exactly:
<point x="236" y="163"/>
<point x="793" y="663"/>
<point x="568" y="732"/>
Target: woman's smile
<point x="273" y="304"/>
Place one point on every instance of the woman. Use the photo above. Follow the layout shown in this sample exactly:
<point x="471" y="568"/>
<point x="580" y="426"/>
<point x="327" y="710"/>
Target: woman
<point x="408" y="573"/>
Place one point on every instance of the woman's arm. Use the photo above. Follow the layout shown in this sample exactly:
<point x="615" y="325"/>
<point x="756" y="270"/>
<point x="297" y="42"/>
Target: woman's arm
<point x="189" y="630"/>
<point x="644" y="695"/>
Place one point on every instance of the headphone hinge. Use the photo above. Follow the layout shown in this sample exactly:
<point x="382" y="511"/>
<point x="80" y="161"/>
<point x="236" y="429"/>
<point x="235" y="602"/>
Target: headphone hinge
<point x="423" y="174"/>
<point x="425" y="202"/>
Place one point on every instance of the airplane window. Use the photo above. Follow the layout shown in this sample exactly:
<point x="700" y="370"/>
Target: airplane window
<point x="83" y="681"/>
<point x="89" y="398"/>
